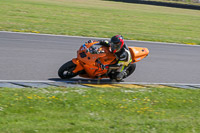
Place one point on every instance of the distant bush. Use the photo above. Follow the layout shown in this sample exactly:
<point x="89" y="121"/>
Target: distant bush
<point x="188" y="1"/>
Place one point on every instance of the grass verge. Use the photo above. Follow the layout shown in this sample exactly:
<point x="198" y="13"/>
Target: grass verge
<point x="99" y="110"/>
<point x="101" y="18"/>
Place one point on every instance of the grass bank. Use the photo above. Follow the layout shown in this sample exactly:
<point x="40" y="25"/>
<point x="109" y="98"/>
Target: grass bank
<point x="101" y="18"/>
<point x="161" y="110"/>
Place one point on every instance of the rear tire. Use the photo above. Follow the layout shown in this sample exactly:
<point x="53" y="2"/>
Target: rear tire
<point x="66" y="70"/>
<point x="130" y="69"/>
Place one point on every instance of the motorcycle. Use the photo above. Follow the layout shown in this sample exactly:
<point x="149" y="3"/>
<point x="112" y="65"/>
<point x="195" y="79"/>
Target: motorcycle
<point x="91" y="56"/>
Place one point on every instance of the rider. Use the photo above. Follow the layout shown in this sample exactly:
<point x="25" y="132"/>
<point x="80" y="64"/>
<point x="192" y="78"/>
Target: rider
<point x="122" y="53"/>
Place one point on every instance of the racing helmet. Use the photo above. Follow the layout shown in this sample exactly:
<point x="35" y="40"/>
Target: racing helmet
<point x="116" y="43"/>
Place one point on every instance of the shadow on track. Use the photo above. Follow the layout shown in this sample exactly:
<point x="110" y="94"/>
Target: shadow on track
<point x="158" y="3"/>
<point x="84" y="81"/>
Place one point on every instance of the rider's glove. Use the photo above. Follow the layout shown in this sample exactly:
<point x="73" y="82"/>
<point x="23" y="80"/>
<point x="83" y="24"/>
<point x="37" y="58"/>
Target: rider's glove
<point x="90" y="41"/>
<point x="105" y="43"/>
<point x="104" y="66"/>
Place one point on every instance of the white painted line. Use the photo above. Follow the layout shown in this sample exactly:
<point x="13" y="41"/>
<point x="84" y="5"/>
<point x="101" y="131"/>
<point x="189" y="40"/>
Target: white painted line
<point x="151" y="42"/>
<point x="158" y="83"/>
<point x="40" y="34"/>
<point x="30" y="81"/>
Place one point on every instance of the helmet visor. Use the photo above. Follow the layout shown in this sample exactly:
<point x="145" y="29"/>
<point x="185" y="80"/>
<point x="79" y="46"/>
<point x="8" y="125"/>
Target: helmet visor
<point x="115" y="47"/>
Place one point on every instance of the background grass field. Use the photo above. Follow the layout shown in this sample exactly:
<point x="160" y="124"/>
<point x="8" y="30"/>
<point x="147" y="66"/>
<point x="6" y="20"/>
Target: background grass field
<point x="99" y="110"/>
<point x="101" y="18"/>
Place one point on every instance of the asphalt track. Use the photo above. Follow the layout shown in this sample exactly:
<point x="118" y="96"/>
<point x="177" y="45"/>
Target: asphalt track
<point x="38" y="57"/>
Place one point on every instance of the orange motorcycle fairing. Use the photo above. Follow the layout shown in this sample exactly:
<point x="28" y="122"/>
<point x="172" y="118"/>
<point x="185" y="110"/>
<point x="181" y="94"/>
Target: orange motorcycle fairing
<point x="79" y="66"/>
<point x="138" y="53"/>
<point x="94" y="71"/>
<point x="86" y="57"/>
<point x="89" y="61"/>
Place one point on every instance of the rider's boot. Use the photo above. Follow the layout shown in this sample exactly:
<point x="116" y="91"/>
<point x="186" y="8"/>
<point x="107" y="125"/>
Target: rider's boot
<point x="120" y="76"/>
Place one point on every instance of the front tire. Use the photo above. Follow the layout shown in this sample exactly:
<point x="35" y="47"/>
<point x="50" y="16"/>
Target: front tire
<point x="66" y="70"/>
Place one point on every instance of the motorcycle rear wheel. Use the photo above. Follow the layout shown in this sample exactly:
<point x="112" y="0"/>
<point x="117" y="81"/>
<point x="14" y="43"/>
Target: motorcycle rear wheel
<point x="130" y="69"/>
<point x="66" y="70"/>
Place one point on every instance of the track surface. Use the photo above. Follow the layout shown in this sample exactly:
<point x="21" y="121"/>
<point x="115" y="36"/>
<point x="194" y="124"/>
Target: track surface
<point x="38" y="57"/>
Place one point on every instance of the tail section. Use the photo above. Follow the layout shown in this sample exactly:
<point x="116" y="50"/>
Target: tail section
<point x="138" y="53"/>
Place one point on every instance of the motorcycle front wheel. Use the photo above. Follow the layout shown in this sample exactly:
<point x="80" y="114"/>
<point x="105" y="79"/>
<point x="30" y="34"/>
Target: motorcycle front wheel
<point x="66" y="70"/>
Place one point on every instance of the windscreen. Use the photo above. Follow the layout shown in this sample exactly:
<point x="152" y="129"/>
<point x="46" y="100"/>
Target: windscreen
<point x="95" y="49"/>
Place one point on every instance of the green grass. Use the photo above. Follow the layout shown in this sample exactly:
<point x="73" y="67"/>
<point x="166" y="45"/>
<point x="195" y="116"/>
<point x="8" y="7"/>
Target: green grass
<point x="101" y="18"/>
<point x="117" y="110"/>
